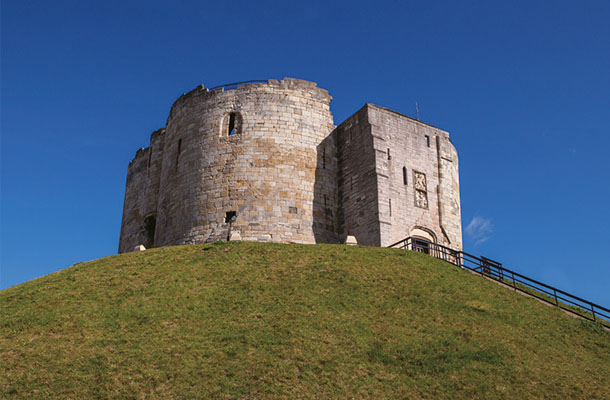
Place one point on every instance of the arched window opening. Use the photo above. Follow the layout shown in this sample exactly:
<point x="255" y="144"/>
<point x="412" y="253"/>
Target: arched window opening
<point x="231" y="124"/>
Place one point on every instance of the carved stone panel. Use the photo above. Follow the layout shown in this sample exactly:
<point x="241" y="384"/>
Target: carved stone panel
<point x="420" y="180"/>
<point x="421" y="194"/>
<point x="421" y="199"/>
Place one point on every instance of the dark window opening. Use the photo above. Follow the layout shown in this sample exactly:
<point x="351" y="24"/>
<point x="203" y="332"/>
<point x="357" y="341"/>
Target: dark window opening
<point x="389" y="156"/>
<point x="179" y="150"/>
<point x="427" y="140"/>
<point x="150" y="224"/>
<point x="404" y="175"/>
<point x="292" y="210"/>
<point x="230" y="216"/>
<point x="231" y="129"/>
<point x="421" y="246"/>
<point x="390" y="206"/>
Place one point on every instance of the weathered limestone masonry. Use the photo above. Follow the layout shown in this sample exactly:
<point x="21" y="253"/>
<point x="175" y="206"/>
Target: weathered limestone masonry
<point x="258" y="152"/>
<point x="358" y="179"/>
<point x="269" y="155"/>
<point x="399" y="179"/>
<point x="141" y="194"/>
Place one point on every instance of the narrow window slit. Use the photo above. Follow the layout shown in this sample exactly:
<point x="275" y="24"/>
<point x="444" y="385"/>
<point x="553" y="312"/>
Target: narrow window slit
<point x="404" y="175"/>
<point x="231" y="130"/>
<point x="323" y="158"/>
<point x="179" y="150"/>
<point x="149" y="160"/>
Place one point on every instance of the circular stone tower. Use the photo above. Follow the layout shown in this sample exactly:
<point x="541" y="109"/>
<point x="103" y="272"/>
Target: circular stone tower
<point x="254" y="161"/>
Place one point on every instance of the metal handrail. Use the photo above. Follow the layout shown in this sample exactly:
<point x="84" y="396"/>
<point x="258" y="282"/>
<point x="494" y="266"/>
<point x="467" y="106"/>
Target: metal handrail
<point x="233" y="86"/>
<point x="495" y="271"/>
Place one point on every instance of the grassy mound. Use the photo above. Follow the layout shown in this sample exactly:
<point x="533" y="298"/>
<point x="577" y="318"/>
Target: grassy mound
<point x="259" y="320"/>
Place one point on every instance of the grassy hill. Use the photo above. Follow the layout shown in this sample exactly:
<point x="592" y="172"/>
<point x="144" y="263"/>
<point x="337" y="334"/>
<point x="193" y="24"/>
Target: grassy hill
<point x="257" y="320"/>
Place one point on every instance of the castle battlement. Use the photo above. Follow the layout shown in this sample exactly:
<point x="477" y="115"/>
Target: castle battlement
<point x="269" y="154"/>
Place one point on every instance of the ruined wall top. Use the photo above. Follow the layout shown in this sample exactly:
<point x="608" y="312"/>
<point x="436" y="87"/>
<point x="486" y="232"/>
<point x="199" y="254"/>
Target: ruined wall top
<point x="204" y="93"/>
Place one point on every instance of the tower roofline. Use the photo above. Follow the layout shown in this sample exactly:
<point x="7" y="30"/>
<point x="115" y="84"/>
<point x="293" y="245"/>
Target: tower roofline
<point x="286" y="83"/>
<point x="402" y="115"/>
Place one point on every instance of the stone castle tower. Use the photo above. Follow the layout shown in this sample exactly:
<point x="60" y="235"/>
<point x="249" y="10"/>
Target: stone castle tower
<point x="263" y="161"/>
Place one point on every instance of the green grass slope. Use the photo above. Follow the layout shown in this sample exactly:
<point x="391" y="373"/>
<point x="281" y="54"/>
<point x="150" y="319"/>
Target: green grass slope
<point x="257" y="320"/>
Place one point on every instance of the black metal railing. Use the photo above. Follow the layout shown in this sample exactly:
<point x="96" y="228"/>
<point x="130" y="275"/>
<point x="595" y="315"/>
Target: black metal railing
<point x="495" y="271"/>
<point x="233" y="86"/>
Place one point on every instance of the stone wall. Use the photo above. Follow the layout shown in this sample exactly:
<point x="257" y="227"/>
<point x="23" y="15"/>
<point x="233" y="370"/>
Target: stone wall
<point x="261" y="151"/>
<point x="269" y="154"/>
<point x="358" y="179"/>
<point x="398" y="176"/>
<point x="141" y="195"/>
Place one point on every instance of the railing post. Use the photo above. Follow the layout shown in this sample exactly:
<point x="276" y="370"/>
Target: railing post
<point x="593" y="312"/>
<point x="514" y="284"/>
<point x="555" y="293"/>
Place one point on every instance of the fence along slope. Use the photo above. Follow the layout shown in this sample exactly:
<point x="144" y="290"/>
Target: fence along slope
<point x="494" y="270"/>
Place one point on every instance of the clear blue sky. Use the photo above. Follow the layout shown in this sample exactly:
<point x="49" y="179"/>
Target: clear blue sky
<point x="523" y="88"/>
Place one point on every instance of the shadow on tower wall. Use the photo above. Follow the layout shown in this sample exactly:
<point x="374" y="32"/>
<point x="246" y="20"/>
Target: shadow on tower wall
<point x="326" y="224"/>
